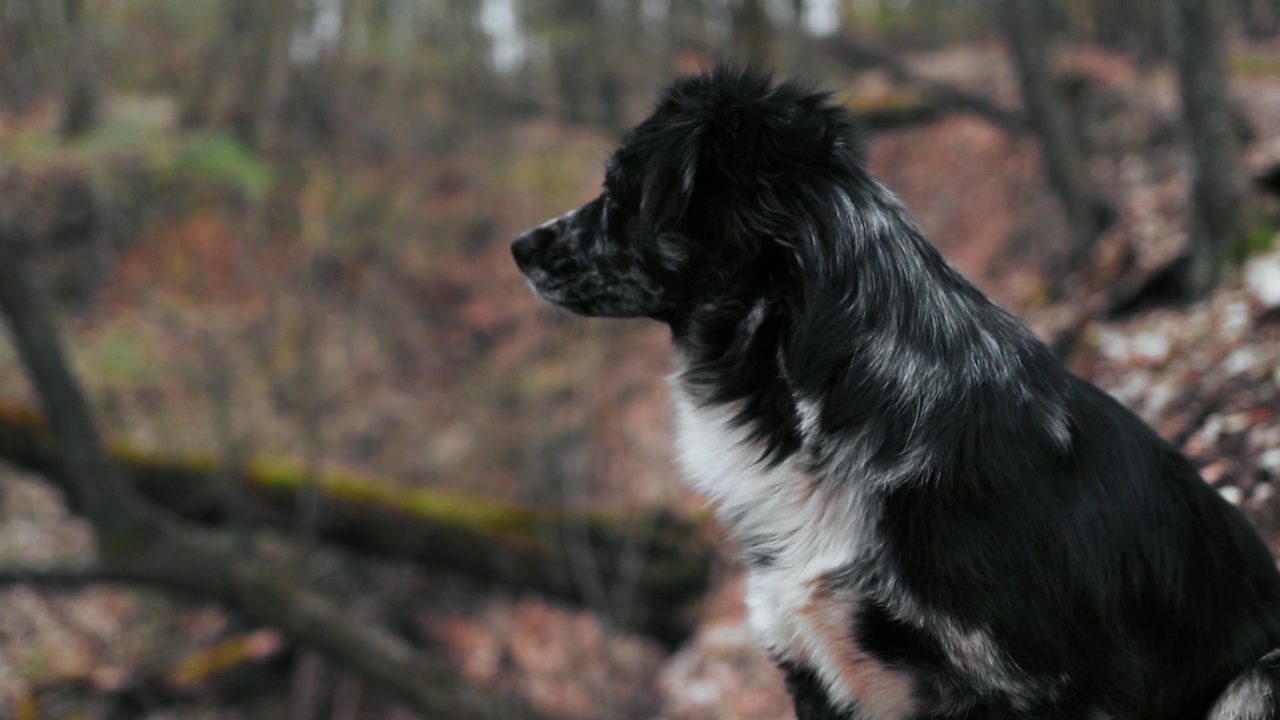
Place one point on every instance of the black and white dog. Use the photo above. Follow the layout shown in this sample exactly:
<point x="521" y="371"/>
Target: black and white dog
<point x="940" y="521"/>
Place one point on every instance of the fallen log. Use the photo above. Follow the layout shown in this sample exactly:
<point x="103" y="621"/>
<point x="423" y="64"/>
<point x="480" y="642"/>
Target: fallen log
<point x="644" y="571"/>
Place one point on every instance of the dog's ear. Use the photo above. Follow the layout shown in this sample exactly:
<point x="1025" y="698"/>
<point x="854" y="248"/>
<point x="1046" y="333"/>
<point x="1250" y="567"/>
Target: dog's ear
<point x="733" y="133"/>
<point x="670" y="177"/>
<point x="705" y="144"/>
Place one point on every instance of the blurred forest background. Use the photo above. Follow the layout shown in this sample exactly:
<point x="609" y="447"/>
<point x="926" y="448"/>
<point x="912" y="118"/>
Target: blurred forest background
<point x="308" y="447"/>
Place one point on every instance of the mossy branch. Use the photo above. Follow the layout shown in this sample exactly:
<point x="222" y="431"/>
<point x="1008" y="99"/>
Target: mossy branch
<point x="661" y="560"/>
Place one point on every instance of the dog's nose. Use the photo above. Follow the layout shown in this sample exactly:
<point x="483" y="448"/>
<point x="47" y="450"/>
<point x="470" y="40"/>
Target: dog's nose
<point x="524" y="246"/>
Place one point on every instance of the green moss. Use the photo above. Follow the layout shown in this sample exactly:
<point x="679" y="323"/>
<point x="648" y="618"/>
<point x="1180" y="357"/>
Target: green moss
<point x="221" y="162"/>
<point x="35" y="665"/>
<point x="124" y="358"/>
<point x="1254" y="64"/>
<point x="445" y="506"/>
<point x="205" y="159"/>
<point x="119" y="356"/>
<point x="129" y="455"/>
<point x="1260" y="239"/>
<point x="899" y="99"/>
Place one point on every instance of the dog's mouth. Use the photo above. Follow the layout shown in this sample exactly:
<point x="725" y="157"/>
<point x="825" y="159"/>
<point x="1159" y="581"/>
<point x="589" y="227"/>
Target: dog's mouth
<point x="582" y="292"/>
<point x="546" y="286"/>
<point x="569" y="296"/>
<point x="551" y="287"/>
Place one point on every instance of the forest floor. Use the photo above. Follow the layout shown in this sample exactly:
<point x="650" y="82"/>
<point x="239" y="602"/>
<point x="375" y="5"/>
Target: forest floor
<point x="432" y="363"/>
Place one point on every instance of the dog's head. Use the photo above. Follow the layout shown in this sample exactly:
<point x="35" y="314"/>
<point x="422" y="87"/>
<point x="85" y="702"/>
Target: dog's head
<point x="698" y="202"/>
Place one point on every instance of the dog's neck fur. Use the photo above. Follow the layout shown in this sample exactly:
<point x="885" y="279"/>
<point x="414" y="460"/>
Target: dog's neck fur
<point x="798" y="410"/>
<point x="857" y="326"/>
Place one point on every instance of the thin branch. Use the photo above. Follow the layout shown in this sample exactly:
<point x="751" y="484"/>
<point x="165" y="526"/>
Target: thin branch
<point x="851" y="53"/>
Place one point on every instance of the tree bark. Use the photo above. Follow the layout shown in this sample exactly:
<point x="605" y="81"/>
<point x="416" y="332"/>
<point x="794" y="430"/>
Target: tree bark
<point x="1064" y="161"/>
<point x="1215" y="226"/>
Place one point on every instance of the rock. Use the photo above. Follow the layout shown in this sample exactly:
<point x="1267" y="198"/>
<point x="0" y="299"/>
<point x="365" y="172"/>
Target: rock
<point x="1242" y="362"/>
<point x="1151" y="346"/>
<point x="1262" y="493"/>
<point x="1270" y="460"/>
<point x="1235" y="320"/>
<point x="1262" y="276"/>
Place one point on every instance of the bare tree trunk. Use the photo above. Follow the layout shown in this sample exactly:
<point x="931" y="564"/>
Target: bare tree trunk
<point x="243" y="76"/>
<point x="82" y="99"/>
<point x="572" y="57"/>
<point x="20" y="75"/>
<point x="686" y="27"/>
<point x="1245" y="13"/>
<point x="753" y="33"/>
<point x="800" y="51"/>
<point x="102" y="493"/>
<point x="220" y="60"/>
<point x="34" y="36"/>
<point x="267" y="79"/>
<point x="1217" y="175"/>
<point x="1262" y="20"/>
<point x="1060" y="151"/>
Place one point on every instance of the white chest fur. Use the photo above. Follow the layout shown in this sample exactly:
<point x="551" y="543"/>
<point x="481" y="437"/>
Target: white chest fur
<point x="809" y="530"/>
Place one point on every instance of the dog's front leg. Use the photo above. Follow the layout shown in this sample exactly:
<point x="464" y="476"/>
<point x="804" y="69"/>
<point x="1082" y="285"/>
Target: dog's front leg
<point x="810" y="697"/>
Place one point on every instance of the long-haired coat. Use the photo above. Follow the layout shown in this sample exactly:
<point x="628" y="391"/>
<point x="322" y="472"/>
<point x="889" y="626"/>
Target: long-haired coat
<point x="939" y="520"/>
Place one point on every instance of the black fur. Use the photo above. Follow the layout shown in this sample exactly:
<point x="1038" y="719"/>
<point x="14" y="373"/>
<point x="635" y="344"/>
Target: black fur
<point x="1008" y="495"/>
